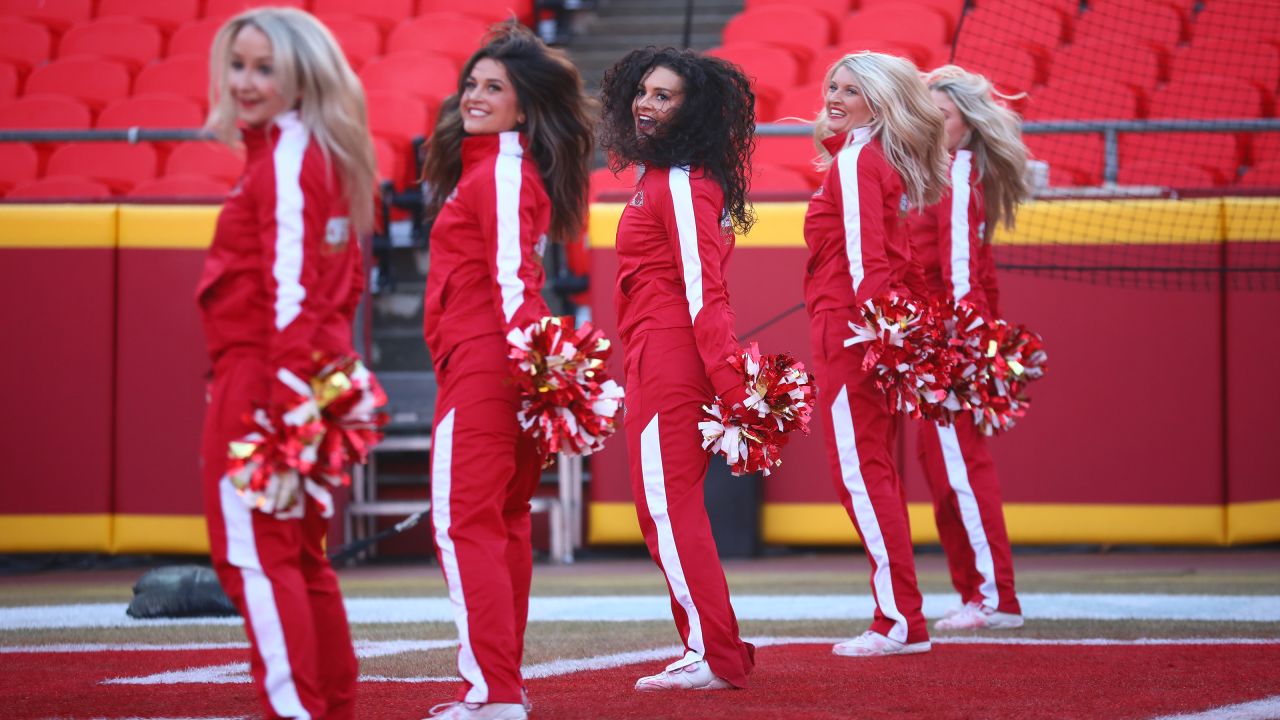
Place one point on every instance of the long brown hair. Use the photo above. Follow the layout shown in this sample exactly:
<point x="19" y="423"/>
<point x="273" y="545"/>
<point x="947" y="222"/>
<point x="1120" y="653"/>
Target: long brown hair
<point x="558" y="122"/>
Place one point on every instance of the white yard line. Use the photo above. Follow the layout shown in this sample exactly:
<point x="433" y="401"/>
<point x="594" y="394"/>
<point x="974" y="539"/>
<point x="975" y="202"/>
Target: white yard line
<point x="1264" y="709"/>
<point x="632" y="608"/>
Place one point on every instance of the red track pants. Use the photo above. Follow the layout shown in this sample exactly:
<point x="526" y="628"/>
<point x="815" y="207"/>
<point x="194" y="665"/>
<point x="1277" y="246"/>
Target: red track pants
<point x="666" y="388"/>
<point x="966" y="504"/>
<point x="275" y="571"/>
<point x="860" y="431"/>
<point x="484" y="470"/>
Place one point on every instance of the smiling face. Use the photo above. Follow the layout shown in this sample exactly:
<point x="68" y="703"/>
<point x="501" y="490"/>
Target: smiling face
<point x="252" y="80"/>
<point x="953" y="120"/>
<point x="660" y="94"/>
<point x="489" y="104"/>
<point x="846" y="106"/>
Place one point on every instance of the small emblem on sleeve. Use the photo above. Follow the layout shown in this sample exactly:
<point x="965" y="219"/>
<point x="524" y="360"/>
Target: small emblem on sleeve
<point x="818" y="192"/>
<point x="540" y="247"/>
<point x="637" y="200"/>
<point x="982" y="229"/>
<point x="336" y="233"/>
<point x="903" y="204"/>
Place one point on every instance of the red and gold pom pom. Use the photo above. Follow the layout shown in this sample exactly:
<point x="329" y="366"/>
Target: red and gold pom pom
<point x="569" y="403"/>
<point x="779" y="399"/>
<point x="335" y="423"/>
<point x="905" y="344"/>
<point x="1014" y="356"/>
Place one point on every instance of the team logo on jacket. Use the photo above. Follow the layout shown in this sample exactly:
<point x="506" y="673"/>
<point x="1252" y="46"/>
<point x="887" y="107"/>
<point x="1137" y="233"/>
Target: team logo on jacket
<point x="637" y="200"/>
<point x="818" y="192"/>
<point x="540" y="247"/>
<point x="726" y="227"/>
<point x="336" y="233"/>
<point x="903" y="205"/>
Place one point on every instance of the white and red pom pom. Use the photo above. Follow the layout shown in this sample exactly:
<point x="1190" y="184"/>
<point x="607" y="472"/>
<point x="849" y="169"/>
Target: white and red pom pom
<point x="569" y="403"/>
<point x="1014" y="356"/>
<point x="779" y="399"/>
<point x="312" y="444"/>
<point x="905" y="344"/>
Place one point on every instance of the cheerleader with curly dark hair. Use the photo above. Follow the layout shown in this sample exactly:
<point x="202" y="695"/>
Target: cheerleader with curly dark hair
<point x="687" y="123"/>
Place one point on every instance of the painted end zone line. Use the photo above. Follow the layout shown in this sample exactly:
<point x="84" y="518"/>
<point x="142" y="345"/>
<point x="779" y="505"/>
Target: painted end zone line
<point x="632" y="608"/>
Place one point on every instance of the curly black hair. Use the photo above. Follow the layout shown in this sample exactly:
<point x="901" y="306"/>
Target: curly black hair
<point x="713" y="129"/>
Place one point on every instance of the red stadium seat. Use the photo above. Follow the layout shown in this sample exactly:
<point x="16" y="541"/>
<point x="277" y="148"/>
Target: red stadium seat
<point x="824" y="58"/>
<point x="152" y="110"/>
<point x="1037" y="28"/>
<point x="90" y="80"/>
<point x="487" y="11"/>
<point x="1217" y="153"/>
<point x="1132" y="63"/>
<point x="57" y="15"/>
<point x="768" y="64"/>
<point x="398" y="118"/>
<point x="1011" y="68"/>
<point x="835" y="10"/>
<point x="453" y="35"/>
<point x="223" y="9"/>
<point x="425" y="76"/>
<point x="59" y="188"/>
<point x="8" y="81"/>
<point x="124" y="40"/>
<point x="1085" y="99"/>
<point x="1257" y="62"/>
<point x="32" y="112"/>
<point x="1080" y="156"/>
<point x="209" y="159"/>
<point x="24" y="43"/>
<point x="803" y="102"/>
<point x="796" y="152"/>
<point x="903" y="23"/>
<point x="165" y="14"/>
<point x="181" y="186"/>
<point x="386" y="13"/>
<point x="950" y="10"/>
<point x="607" y="187"/>
<point x="183" y="75"/>
<point x="772" y="180"/>
<point x="1165" y="174"/>
<point x="359" y="38"/>
<point x="19" y="162"/>
<point x="119" y="166"/>
<point x="390" y="162"/>
<point x="1131" y="21"/>
<point x="1208" y="96"/>
<point x="1265" y="147"/>
<point x="1231" y="21"/>
<point x="799" y="29"/>
<point x="1262" y="175"/>
<point x="194" y="38"/>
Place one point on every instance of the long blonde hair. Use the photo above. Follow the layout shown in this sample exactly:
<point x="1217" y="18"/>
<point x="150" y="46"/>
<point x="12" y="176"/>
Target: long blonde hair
<point x="312" y="74"/>
<point x="905" y="119"/>
<point x="994" y="138"/>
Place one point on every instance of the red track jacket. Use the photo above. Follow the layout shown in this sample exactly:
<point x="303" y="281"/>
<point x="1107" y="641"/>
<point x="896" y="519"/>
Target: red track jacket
<point x="284" y="274"/>
<point x="855" y="229"/>
<point x="947" y="239"/>
<point x="674" y="243"/>
<point x="486" y="246"/>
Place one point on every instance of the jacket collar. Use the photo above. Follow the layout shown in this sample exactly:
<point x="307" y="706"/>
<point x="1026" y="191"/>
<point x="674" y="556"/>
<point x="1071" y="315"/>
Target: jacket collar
<point x="476" y="147"/>
<point x="836" y="143"/>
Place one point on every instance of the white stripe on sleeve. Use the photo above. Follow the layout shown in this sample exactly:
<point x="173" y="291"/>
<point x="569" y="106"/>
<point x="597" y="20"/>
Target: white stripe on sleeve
<point x="960" y="168"/>
<point x="847" y="161"/>
<point x="687" y="229"/>
<point x="507" y="177"/>
<point x="290" y="232"/>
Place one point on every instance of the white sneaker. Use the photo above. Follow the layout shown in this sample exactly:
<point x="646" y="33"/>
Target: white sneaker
<point x="479" y="711"/>
<point x="695" y="676"/>
<point x="873" y="644"/>
<point x="976" y="616"/>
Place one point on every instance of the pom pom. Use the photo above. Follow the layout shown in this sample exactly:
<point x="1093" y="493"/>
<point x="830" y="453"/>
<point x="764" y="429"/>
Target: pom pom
<point x="1013" y="357"/>
<point x="779" y="399"/>
<point x="904" y="341"/>
<point x="310" y="446"/>
<point x="569" y="403"/>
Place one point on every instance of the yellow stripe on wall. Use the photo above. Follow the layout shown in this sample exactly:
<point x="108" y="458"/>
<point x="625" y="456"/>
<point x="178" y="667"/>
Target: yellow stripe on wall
<point x="88" y="532"/>
<point x="52" y="227"/>
<point x="167" y="226"/>
<point x="185" y="534"/>
<point x="1030" y="523"/>
<point x="1251" y="522"/>
<point x="1087" y="222"/>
